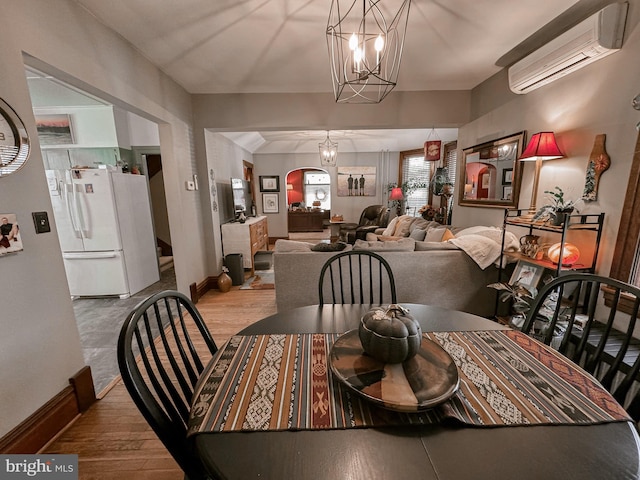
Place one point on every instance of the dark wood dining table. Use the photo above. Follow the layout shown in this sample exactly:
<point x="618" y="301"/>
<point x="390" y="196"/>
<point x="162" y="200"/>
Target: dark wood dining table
<point x="435" y="451"/>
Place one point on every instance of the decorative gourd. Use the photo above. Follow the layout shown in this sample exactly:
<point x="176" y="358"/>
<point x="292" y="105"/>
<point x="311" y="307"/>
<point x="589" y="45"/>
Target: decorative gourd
<point x="390" y="334"/>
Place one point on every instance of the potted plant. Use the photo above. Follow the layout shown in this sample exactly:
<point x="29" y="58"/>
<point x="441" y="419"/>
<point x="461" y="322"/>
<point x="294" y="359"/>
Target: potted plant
<point x="557" y="209"/>
<point x="521" y="298"/>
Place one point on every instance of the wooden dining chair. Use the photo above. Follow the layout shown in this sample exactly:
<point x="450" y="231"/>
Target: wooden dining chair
<point x="582" y="315"/>
<point x="356" y="277"/>
<point x="160" y="354"/>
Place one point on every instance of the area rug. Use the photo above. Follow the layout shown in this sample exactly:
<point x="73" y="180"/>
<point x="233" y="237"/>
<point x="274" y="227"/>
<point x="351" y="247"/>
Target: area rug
<point x="262" y="280"/>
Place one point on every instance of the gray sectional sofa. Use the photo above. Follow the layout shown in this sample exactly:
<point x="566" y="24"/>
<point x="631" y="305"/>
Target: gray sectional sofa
<point x="440" y="275"/>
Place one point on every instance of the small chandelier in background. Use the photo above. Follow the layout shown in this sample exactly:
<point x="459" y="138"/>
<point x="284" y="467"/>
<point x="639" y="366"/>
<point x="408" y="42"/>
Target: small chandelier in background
<point x="328" y="152"/>
<point x="365" y="49"/>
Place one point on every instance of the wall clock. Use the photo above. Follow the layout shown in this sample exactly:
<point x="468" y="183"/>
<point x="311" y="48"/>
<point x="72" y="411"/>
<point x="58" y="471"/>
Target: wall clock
<point x="14" y="140"/>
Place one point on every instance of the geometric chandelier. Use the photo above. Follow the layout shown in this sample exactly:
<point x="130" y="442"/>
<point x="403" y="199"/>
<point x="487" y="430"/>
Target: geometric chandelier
<point x="365" y="49"/>
<point x="328" y="152"/>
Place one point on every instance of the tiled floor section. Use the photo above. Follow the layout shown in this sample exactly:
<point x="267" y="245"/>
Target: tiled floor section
<point x="99" y="321"/>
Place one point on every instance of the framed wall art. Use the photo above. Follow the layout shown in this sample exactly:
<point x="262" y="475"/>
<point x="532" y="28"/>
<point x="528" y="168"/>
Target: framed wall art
<point x="356" y="181"/>
<point x="269" y="183"/>
<point x="54" y="129"/>
<point x="270" y="202"/>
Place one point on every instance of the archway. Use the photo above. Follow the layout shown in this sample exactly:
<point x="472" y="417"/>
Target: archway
<point x="308" y="199"/>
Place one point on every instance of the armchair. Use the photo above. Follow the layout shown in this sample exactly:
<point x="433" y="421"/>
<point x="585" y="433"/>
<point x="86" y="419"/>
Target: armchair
<point x="372" y="217"/>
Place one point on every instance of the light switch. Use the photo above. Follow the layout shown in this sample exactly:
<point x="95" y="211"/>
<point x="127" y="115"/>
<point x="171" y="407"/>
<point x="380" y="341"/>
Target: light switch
<point x="41" y="221"/>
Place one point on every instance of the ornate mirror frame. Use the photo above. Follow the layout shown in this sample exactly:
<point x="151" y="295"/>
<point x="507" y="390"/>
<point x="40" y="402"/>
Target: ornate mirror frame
<point x="492" y="173"/>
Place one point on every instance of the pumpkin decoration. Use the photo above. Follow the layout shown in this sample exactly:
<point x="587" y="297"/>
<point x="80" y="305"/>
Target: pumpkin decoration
<point x="390" y="334"/>
<point x="570" y="254"/>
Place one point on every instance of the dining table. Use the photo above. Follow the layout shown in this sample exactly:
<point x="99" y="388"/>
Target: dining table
<point x="521" y="410"/>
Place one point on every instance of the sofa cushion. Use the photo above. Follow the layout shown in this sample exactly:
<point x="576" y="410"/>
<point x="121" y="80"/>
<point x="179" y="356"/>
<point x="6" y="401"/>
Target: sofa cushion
<point x="441" y="234"/>
<point x="402" y="245"/>
<point x="329" y="247"/>
<point x="427" y="246"/>
<point x="292" y="246"/>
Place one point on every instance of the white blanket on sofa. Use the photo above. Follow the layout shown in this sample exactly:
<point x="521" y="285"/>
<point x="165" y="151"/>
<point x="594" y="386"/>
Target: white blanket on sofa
<point x="484" y="244"/>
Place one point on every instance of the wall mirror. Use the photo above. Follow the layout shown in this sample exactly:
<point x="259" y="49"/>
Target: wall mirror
<point x="492" y="173"/>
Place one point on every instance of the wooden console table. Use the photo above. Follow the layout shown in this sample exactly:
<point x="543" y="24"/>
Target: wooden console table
<point x="246" y="238"/>
<point x="306" y="221"/>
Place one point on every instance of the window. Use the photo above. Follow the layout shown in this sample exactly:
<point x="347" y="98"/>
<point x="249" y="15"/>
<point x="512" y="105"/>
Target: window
<point x="413" y="167"/>
<point x="317" y="187"/>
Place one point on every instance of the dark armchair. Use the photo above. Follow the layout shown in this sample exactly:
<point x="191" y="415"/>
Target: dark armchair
<point x="372" y="217"/>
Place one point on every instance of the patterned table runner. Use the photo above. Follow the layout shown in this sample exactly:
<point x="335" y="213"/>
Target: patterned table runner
<point x="283" y="382"/>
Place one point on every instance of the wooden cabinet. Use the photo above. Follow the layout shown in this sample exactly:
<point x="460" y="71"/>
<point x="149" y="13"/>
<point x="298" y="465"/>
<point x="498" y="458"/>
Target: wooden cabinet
<point x="246" y="238"/>
<point x="306" y="221"/>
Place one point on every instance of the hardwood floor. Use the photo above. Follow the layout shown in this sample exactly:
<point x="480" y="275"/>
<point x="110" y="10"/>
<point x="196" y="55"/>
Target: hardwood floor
<point x="112" y="439"/>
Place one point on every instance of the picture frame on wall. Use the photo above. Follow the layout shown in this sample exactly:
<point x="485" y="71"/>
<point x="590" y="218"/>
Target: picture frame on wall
<point x="269" y="183"/>
<point x="507" y="176"/>
<point x="54" y="129"/>
<point x="270" y="202"/>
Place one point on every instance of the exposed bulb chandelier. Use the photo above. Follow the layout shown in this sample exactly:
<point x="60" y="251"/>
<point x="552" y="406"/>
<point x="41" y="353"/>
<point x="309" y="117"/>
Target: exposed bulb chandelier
<point x="365" y="49"/>
<point x="328" y="152"/>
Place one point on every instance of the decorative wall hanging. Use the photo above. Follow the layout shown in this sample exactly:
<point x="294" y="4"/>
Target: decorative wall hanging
<point x="432" y="147"/>
<point x="10" y="239"/>
<point x="599" y="162"/>
<point x="356" y="181"/>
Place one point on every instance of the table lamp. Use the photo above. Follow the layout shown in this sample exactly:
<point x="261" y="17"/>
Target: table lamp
<point x="397" y="196"/>
<point x="542" y="146"/>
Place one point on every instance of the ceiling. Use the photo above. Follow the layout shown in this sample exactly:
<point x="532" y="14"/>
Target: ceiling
<point x="273" y="46"/>
<point x="267" y="46"/>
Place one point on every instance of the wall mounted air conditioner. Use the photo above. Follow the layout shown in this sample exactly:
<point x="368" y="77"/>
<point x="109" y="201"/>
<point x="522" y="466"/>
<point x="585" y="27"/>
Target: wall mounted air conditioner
<point x="594" y="38"/>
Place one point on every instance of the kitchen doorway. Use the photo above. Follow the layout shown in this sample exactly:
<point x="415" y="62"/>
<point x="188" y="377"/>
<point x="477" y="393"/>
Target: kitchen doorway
<point x="100" y="316"/>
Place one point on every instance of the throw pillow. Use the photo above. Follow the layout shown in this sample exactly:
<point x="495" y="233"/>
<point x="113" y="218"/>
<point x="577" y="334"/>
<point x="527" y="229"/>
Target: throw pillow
<point x="329" y="247"/>
<point x="418" y="234"/>
<point x="438" y="235"/>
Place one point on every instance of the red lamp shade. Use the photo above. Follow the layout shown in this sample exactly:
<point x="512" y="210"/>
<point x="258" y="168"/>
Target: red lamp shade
<point x="396" y="194"/>
<point x="542" y="146"/>
<point x="570" y="254"/>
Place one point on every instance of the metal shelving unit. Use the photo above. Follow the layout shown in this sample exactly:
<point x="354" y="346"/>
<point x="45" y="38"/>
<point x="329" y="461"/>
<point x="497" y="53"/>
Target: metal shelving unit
<point x="575" y="222"/>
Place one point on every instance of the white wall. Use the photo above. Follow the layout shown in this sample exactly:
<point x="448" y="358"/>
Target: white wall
<point x="386" y="164"/>
<point x="91" y="126"/>
<point x="39" y="345"/>
<point x="590" y="101"/>
<point x="224" y="159"/>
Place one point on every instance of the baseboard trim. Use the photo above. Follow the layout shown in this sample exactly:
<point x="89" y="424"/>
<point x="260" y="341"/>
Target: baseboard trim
<point x="198" y="290"/>
<point x="45" y="423"/>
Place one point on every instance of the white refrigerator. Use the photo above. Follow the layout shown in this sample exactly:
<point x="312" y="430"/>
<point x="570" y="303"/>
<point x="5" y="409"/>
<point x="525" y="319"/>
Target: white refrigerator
<point x="105" y="228"/>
